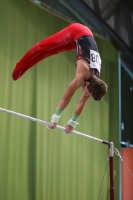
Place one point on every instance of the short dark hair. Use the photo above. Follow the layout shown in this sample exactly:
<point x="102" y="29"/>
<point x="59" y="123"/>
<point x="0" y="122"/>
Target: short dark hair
<point x="97" y="87"/>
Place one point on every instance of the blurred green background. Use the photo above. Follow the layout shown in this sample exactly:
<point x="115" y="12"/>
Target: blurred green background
<point x="41" y="164"/>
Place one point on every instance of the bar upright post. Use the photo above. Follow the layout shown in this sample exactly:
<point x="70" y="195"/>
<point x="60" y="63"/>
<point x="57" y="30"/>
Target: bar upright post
<point x="111" y="157"/>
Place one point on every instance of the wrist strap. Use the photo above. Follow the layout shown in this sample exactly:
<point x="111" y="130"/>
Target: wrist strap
<point x="58" y="111"/>
<point x="72" y="123"/>
<point x="56" y="116"/>
<point x="75" y="117"/>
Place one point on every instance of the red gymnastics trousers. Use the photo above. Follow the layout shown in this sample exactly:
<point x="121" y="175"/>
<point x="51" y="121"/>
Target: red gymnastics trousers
<point x="63" y="40"/>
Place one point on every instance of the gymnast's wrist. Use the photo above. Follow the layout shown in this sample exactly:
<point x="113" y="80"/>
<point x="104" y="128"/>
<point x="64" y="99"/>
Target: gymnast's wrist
<point x="57" y="115"/>
<point x="73" y="121"/>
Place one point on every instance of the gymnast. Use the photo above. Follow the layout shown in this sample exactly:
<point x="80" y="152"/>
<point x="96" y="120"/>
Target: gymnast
<point x="88" y="65"/>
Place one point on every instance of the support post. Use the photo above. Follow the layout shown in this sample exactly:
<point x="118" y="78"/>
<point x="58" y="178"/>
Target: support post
<point x="111" y="157"/>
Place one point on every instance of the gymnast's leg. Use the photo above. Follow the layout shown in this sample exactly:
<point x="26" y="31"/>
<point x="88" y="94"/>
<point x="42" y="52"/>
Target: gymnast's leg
<point x="19" y="71"/>
<point x="59" y="42"/>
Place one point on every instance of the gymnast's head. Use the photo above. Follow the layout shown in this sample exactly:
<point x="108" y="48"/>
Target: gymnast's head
<point x="95" y="87"/>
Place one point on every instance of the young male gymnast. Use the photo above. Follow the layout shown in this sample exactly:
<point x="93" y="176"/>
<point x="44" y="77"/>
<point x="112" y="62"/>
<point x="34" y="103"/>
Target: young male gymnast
<point x="88" y="64"/>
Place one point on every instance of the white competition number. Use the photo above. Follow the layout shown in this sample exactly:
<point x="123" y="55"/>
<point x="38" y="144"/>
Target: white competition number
<point x="95" y="60"/>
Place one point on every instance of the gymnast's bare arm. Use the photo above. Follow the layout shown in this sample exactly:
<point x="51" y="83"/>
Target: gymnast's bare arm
<point x="82" y="74"/>
<point x="78" y="110"/>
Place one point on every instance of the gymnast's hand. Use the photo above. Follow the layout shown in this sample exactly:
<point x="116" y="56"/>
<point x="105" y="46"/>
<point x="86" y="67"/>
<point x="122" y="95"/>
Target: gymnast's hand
<point x="52" y="125"/>
<point x="68" y="129"/>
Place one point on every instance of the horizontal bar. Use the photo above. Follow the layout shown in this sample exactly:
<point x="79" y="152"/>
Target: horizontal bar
<point x="59" y="127"/>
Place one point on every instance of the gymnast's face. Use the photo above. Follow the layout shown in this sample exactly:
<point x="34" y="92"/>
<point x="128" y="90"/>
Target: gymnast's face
<point x="85" y="89"/>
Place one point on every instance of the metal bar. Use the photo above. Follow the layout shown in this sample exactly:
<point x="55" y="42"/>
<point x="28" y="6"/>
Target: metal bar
<point x="51" y="10"/>
<point x="59" y="127"/>
<point x="111" y="10"/>
<point x="127" y="68"/>
<point x="111" y="156"/>
<point x="128" y="23"/>
<point x="96" y="7"/>
<point x="126" y="144"/>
